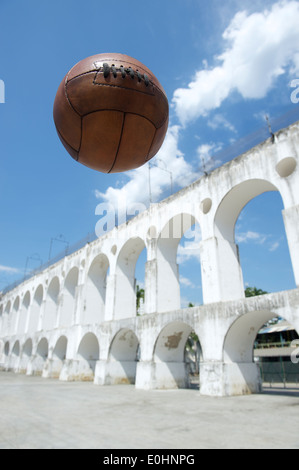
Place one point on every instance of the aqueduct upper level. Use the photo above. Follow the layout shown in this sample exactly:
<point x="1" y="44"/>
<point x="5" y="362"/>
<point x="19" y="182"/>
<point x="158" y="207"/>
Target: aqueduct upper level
<point x="66" y="314"/>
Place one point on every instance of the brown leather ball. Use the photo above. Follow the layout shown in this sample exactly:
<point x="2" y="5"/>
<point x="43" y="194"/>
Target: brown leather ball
<point x="111" y="113"/>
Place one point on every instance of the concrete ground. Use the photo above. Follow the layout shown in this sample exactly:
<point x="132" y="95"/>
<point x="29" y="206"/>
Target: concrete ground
<point x="37" y="413"/>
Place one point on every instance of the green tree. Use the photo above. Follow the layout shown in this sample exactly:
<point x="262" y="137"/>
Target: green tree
<point x="139" y="296"/>
<point x="253" y="291"/>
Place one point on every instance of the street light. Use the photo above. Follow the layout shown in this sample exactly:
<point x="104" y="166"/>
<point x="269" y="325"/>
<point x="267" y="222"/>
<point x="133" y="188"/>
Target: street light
<point x="61" y="239"/>
<point x="34" y="257"/>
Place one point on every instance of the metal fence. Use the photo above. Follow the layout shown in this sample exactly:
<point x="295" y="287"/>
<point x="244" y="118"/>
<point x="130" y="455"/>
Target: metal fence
<point x="271" y="127"/>
<point x="62" y="254"/>
<point x="279" y="371"/>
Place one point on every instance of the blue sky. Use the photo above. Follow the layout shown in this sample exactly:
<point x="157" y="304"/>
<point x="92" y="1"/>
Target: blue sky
<point x="223" y="64"/>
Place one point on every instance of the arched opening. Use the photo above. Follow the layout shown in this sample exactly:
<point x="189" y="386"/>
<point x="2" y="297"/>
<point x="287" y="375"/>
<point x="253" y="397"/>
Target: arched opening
<point x="95" y="288"/>
<point x="50" y="312"/>
<point x="188" y="261"/>
<point x="68" y="298"/>
<point x="15" y="356"/>
<point x="59" y="351"/>
<point x="169" y="256"/>
<point x="88" y="354"/>
<point x="6" y="349"/>
<point x="35" y="310"/>
<point x="263" y="247"/>
<point x="14" y="315"/>
<point x="248" y="348"/>
<point x="250" y="216"/>
<point x="123" y="358"/>
<point x="41" y="356"/>
<point x="172" y="370"/>
<point x="125" y="289"/>
<point x="276" y="350"/>
<point x="25" y="356"/>
<point x="6" y="319"/>
<point x="58" y="357"/>
<point x="140" y="282"/>
<point x="24" y="313"/>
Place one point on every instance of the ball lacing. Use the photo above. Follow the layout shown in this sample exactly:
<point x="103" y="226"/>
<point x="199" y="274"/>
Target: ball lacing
<point x="124" y="71"/>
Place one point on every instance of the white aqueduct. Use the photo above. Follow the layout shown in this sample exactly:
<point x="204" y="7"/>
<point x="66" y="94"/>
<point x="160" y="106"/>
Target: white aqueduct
<point x="77" y="319"/>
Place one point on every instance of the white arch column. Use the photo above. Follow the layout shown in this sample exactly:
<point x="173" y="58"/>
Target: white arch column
<point x="291" y="224"/>
<point x="221" y="272"/>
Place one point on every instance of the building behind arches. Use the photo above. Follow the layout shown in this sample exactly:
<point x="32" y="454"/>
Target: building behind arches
<point x="77" y="319"/>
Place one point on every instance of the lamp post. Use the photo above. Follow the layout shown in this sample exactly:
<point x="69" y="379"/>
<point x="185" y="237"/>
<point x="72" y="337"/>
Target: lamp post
<point x="34" y="257"/>
<point x="61" y="239"/>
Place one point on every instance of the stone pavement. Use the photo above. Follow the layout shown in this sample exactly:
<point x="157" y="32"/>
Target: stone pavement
<point x="39" y="413"/>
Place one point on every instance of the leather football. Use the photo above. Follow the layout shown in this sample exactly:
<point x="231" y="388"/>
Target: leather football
<point x="111" y="113"/>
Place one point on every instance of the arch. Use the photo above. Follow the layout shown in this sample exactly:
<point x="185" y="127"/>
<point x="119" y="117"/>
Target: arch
<point x="263" y="248"/>
<point x="170" y="344"/>
<point x="35" y="310"/>
<point x="16" y="349"/>
<point x="95" y="291"/>
<point x="125" y="294"/>
<point x="239" y="340"/>
<point x="39" y="359"/>
<point x="171" y="370"/>
<point x="16" y="304"/>
<point x="68" y="298"/>
<point x="6" y="348"/>
<point x="14" y="315"/>
<point x="58" y="357"/>
<point x="124" y="346"/>
<point x="42" y="349"/>
<point x="123" y="357"/>
<point x="25" y="356"/>
<point x="50" y="312"/>
<point x="88" y="354"/>
<point x="24" y="313"/>
<point x="27" y="348"/>
<point x="15" y="356"/>
<point x="234" y="201"/>
<point x="7" y="307"/>
<point x="168" y="281"/>
<point x="59" y="351"/>
<point x="238" y="351"/>
<point x="6" y="318"/>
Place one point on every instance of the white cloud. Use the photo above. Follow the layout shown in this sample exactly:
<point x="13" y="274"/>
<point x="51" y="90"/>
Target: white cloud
<point x="205" y="154"/>
<point x="259" y="48"/>
<point x="8" y="269"/>
<point x="274" y="246"/>
<point x="168" y="165"/>
<point x="186" y="282"/>
<point x="219" y="121"/>
<point x="244" y="237"/>
<point x="187" y="252"/>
